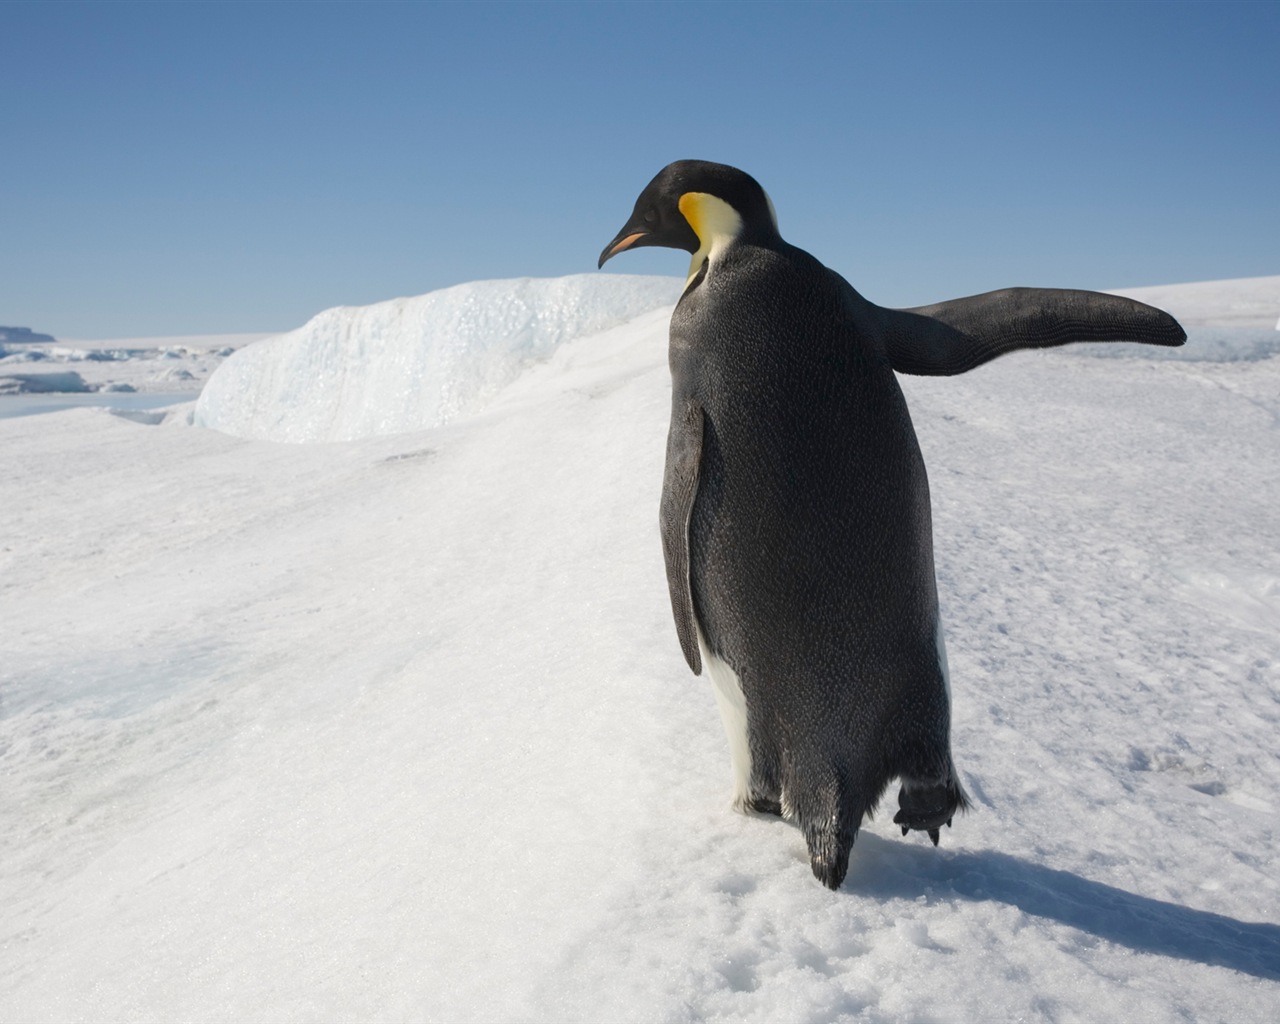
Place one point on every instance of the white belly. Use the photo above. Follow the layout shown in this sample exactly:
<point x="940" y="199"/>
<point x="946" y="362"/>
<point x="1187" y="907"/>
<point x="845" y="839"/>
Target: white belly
<point x="733" y="713"/>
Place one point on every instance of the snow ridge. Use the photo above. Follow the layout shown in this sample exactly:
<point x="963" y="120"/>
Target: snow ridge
<point x="413" y="363"/>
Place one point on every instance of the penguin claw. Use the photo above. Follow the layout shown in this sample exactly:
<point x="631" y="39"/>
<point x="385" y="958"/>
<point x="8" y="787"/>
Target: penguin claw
<point x="927" y="808"/>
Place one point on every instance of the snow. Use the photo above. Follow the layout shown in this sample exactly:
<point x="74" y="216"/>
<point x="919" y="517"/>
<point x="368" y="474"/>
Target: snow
<point x="413" y="363"/>
<point x="398" y="728"/>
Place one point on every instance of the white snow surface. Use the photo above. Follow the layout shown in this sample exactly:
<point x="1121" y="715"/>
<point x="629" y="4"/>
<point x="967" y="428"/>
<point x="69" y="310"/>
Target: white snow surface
<point x="408" y="364"/>
<point x="399" y="729"/>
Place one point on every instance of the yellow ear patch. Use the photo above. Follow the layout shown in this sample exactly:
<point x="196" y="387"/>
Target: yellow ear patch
<point x="714" y="221"/>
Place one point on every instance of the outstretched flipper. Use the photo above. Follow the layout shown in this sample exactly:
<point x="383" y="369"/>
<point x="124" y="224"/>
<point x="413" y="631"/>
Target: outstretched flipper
<point x="953" y="337"/>
<point x="679" y="487"/>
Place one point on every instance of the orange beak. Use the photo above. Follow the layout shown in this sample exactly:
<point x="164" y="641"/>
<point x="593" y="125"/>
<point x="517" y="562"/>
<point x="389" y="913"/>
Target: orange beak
<point x="620" y="245"/>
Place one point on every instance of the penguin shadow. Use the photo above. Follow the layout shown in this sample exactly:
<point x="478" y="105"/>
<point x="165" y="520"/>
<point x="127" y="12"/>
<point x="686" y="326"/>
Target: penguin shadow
<point x="882" y="868"/>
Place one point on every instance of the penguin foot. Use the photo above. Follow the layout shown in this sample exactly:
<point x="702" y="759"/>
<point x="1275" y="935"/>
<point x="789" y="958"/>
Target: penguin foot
<point x="934" y="833"/>
<point x="927" y="808"/>
<point x="829" y="835"/>
<point x="829" y="859"/>
<point x="763" y="805"/>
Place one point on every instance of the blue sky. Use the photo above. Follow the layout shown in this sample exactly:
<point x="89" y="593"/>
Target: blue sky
<point x="188" y="168"/>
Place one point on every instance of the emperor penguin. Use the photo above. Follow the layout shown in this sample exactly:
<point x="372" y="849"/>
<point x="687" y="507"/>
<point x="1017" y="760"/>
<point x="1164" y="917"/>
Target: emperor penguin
<point x="795" y="508"/>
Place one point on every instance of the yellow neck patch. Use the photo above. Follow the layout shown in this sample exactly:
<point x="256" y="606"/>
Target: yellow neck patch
<point x="714" y="221"/>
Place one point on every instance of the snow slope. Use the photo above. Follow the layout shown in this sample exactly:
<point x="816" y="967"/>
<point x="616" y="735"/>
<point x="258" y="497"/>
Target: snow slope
<point x="398" y="728"/>
<point x="407" y="364"/>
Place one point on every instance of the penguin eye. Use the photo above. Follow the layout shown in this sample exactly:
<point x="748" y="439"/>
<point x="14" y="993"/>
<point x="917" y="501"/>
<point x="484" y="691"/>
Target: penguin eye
<point x="651" y="216"/>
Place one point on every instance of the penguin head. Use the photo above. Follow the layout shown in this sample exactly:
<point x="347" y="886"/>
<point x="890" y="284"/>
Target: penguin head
<point x="695" y="205"/>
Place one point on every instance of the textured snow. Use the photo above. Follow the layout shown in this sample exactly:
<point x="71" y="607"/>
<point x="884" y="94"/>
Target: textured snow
<point x="399" y="728"/>
<point x="413" y="363"/>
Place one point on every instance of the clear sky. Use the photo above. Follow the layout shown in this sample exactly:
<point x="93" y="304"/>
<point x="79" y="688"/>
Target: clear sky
<point x="188" y="168"/>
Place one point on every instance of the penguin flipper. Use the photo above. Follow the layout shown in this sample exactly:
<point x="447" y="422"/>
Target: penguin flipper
<point x="953" y="337"/>
<point x="679" y="487"/>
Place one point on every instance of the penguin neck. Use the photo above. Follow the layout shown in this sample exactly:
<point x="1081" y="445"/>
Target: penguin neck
<point x="715" y="222"/>
<point x="718" y="226"/>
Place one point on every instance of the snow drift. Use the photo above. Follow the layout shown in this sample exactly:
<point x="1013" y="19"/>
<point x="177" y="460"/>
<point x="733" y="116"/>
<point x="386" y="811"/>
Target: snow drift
<point x="413" y="363"/>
